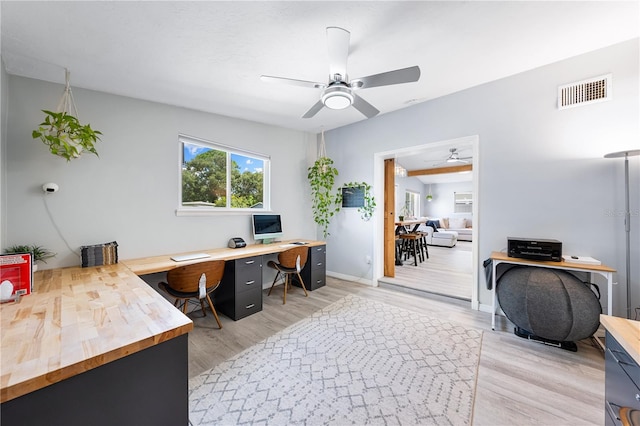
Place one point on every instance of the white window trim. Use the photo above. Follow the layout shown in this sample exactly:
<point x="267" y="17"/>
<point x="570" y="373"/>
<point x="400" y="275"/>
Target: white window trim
<point x="208" y="211"/>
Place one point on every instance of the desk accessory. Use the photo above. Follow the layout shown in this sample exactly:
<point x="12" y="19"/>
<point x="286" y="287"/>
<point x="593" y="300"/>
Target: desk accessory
<point x="192" y="256"/>
<point x="237" y="242"/>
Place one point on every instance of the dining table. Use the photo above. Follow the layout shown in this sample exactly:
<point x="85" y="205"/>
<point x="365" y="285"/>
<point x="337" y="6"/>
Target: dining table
<point x="402" y="224"/>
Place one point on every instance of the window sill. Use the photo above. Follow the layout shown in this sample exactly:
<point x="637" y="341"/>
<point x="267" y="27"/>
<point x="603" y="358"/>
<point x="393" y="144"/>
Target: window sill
<point x="217" y="212"/>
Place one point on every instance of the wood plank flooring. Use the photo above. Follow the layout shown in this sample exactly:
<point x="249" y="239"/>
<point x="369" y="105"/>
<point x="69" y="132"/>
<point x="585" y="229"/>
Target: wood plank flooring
<point x="519" y="382"/>
<point x="448" y="272"/>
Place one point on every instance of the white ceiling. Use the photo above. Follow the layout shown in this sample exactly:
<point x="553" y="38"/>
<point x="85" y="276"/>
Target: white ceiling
<point x="209" y="55"/>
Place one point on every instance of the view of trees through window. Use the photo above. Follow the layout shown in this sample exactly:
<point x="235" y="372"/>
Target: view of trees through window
<point x="209" y="175"/>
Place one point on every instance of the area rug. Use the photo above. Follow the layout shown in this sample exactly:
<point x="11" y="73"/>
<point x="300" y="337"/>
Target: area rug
<point x="357" y="361"/>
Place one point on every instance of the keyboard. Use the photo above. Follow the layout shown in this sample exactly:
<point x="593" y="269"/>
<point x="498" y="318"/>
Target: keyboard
<point x="287" y="245"/>
<point x="192" y="256"/>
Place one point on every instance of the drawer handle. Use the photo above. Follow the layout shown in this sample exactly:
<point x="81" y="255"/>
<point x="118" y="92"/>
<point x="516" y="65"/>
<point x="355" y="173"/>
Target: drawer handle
<point x="612" y="411"/>
<point x="638" y="397"/>
<point x="613" y="353"/>
<point x="319" y="281"/>
<point x="250" y="282"/>
<point x="250" y="306"/>
<point x="319" y="264"/>
<point x="249" y="262"/>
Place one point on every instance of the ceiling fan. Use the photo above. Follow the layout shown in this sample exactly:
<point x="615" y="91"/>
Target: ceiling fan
<point x="340" y="92"/>
<point x="454" y="157"/>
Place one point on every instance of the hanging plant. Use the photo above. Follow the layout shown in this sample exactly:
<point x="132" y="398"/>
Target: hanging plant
<point x="368" y="201"/>
<point x="321" y="177"/>
<point x="62" y="132"/>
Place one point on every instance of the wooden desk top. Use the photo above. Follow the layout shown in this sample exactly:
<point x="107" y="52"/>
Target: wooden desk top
<point x="149" y="265"/>
<point x="78" y="319"/>
<point x="504" y="257"/>
<point x="626" y="332"/>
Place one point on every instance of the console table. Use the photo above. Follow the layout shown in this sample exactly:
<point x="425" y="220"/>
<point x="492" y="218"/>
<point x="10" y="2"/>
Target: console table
<point x="499" y="257"/>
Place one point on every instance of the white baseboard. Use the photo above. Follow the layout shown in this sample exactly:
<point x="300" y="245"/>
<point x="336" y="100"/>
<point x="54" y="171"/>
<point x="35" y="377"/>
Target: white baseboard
<point x="345" y="277"/>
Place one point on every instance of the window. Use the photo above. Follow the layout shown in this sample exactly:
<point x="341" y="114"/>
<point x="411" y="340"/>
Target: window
<point x="215" y="177"/>
<point x="412" y="203"/>
<point x="462" y="202"/>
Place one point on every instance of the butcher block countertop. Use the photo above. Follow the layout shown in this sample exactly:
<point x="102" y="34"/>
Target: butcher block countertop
<point x="78" y="319"/>
<point x="626" y="332"/>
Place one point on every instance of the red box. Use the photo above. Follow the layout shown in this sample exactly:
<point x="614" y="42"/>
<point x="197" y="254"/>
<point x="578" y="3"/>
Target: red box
<point x="17" y="268"/>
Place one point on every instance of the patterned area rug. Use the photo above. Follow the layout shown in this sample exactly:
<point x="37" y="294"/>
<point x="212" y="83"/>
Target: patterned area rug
<point x="357" y="361"/>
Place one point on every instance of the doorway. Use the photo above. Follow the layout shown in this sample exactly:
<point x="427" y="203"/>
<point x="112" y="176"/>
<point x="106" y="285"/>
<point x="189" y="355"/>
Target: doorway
<point x="382" y="252"/>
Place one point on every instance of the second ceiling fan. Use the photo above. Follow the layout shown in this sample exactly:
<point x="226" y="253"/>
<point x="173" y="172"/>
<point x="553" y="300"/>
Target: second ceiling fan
<point x="339" y="92"/>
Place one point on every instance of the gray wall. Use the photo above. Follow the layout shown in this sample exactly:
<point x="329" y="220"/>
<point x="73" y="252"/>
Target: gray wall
<point x="442" y="204"/>
<point x="541" y="171"/>
<point x="130" y="193"/>
<point x="4" y="100"/>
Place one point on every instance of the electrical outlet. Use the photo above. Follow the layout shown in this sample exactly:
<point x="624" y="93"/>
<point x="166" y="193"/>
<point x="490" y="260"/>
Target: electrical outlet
<point x="367" y="259"/>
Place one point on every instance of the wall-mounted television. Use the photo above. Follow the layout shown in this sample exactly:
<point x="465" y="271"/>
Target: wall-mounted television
<point x="266" y="227"/>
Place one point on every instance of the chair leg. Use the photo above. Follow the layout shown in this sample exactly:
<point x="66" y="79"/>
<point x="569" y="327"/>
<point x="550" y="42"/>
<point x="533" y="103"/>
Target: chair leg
<point x="184" y="306"/>
<point x="215" y="314"/>
<point x="274" y="283"/>
<point x="303" y="287"/>
<point x="204" y="311"/>
<point x="286" y="284"/>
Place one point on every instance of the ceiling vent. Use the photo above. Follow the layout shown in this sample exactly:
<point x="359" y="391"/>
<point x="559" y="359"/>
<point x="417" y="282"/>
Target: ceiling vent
<point x="585" y="92"/>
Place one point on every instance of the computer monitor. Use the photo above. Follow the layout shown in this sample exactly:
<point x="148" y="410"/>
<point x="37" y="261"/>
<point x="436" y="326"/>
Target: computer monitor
<point x="266" y="227"/>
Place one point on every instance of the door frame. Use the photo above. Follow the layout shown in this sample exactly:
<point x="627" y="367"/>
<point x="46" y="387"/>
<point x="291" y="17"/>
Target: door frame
<point x="379" y="193"/>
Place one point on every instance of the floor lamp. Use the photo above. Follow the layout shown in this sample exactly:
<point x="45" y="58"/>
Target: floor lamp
<point x="627" y="217"/>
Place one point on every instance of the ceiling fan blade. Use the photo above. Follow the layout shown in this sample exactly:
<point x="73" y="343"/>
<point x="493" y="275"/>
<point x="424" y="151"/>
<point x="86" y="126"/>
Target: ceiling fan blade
<point x="404" y="75"/>
<point x="364" y="107"/>
<point x="338" y="42"/>
<point x="313" y="110"/>
<point x="292" y="82"/>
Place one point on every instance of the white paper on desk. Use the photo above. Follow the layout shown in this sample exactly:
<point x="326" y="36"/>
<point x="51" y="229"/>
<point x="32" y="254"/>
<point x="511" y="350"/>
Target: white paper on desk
<point x="202" y="286"/>
<point x="586" y="260"/>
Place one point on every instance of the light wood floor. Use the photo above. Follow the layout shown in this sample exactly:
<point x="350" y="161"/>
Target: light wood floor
<point x="448" y="272"/>
<point x="519" y="382"/>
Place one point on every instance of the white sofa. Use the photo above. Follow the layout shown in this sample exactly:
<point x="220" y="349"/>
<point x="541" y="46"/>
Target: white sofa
<point x="441" y="238"/>
<point x="459" y="224"/>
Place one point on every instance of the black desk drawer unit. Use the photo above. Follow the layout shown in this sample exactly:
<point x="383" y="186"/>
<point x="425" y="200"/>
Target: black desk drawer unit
<point x="622" y="386"/>
<point x="240" y="292"/>
<point x="314" y="273"/>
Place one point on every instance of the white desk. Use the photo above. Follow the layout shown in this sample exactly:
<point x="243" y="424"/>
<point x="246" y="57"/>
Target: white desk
<point x="499" y="257"/>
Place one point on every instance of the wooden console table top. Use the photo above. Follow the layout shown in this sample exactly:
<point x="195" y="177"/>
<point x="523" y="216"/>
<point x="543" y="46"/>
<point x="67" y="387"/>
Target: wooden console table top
<point x="78" y="319"/>
<point x="504" y="257"/>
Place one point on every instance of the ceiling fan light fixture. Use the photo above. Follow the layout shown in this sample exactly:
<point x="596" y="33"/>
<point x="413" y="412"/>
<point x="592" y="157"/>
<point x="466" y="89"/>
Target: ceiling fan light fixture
<point x="337" y="97"/>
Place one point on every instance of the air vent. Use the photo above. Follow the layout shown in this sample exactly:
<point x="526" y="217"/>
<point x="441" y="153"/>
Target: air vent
<point x="584" y="92"/>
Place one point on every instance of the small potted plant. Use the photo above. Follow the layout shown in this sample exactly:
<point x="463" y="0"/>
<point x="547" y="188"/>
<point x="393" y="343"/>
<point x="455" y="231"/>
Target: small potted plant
<point x="39" y="253"/>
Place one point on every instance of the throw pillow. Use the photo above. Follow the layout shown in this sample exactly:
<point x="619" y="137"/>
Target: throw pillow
<point x="435" y="224"/>
<point x="457" y="223"/>
<point x="444" y="222"/>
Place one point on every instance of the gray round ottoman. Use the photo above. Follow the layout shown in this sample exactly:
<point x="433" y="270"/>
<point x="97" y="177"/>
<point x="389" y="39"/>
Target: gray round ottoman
<point x="549" y="305"/>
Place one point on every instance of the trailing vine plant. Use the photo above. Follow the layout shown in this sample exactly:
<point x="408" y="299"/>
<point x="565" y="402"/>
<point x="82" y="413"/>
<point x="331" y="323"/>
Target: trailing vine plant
<point x="369" y="205"/>
<point x="62" y="132"/>
<point x="321" y="177"/>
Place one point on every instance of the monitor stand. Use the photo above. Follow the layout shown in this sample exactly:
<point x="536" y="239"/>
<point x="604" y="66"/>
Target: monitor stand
<point x="268" y="240"/>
